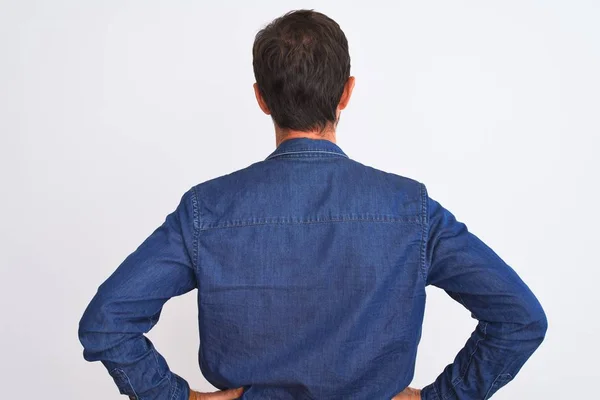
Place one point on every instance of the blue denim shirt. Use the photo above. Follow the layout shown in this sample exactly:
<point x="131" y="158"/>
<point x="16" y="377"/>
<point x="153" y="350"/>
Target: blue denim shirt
<point x="311" y="271"/>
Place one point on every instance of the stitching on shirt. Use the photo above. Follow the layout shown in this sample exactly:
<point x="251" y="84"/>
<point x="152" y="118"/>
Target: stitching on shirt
<point x="196" y="223"/>
<point x="474" y="350"/>
<point x="437" y="394"/>
<point x="313" y="154"/>
<point x="287" y="220"/>
<point x="121" y="372"/>
<point x="176" y="391"/>
<point x="424" y="232"/>
<point x="304" y="151"/>
<point x="464" y="372"/>
<point x="490" y="388"/>
<point x="162" y="375"/>
<point x="487" y="394"/>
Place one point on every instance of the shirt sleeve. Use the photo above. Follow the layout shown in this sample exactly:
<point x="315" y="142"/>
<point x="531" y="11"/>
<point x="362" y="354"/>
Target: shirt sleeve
<point x="128" y="304"/>
<point x="511" y="321"/>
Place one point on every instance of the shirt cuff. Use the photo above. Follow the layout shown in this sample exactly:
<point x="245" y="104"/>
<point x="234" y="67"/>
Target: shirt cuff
<point x="182" y="388"/>
<point x="429" y="393"/>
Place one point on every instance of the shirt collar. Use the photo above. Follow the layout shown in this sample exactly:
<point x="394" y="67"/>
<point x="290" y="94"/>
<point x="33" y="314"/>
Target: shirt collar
<point x="306" y="145"/>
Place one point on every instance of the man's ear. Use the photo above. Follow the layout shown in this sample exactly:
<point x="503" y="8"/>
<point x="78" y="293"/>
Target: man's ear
<point x="260" y="100"/>
<point x="348" y="88"/>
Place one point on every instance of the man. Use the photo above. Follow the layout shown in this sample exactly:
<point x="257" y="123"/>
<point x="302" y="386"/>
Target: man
<point x="310" y="267"/>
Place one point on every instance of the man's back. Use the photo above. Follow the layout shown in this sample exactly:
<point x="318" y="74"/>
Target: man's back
<point x="311" y="271"/>
<point x="310" y="277"/>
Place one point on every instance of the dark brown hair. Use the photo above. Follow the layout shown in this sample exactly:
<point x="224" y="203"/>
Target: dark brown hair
<point x="301" y="63"/>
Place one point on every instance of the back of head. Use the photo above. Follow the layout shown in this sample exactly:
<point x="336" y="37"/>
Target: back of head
<point x="301" y="63"/>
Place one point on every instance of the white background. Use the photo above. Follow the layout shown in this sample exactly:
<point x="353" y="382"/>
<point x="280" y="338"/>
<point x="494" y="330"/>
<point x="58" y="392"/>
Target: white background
<point x="110" y="110"/>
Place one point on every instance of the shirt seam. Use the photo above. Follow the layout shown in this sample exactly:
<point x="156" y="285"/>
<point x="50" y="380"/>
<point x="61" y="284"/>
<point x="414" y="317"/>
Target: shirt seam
<point x="424" y="232"/>
<point x="464" y="372"/>
<point x="196" y="227"/>
<point x="437" y="394"/>
<point x="487" y="394"/>
<point x="289" y="153"/>
<point x="286" y="220"/>
<point x="176" y="389"/>
<point x="122" y="372"/>
<point x="161" y="374"/>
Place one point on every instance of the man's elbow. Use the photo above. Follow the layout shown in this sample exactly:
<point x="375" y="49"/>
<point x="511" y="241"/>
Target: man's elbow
<point x="528" y="323"/>
<point x="542" y="326"/>
<point x="92" y="329"/>
<point x="537" y="325"/>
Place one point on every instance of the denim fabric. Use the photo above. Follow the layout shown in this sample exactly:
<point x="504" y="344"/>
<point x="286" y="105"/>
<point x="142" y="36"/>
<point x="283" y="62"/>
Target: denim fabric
<point x="311" y="271"/>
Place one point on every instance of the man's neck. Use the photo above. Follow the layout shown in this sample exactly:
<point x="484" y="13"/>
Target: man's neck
<point x="282" y="136"/>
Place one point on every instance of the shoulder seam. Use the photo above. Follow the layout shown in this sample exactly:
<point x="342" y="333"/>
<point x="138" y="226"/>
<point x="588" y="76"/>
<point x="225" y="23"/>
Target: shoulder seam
<point x="424" y="232"/>
<point x="196" y="225"/>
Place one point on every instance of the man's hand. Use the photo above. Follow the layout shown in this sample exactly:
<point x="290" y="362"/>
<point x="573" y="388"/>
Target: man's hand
<point x="229" y="394"/>
<point x="408" y="394"/>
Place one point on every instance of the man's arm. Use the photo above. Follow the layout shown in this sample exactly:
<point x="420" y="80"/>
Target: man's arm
<point x="128" y="304"/>
<point x="511" y="322"/>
